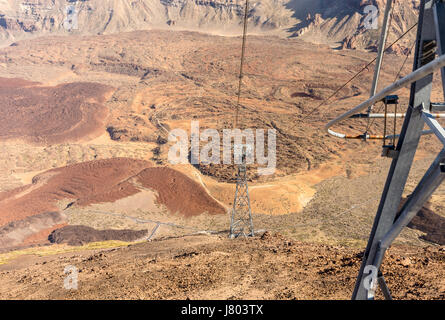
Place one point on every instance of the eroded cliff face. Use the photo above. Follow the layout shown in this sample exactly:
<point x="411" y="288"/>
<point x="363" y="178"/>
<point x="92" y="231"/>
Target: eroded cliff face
<point x="24" y="19"/>
<point x="339" y="23"/>
<point x="404" y="15"/>
<point x="343" y="23"/>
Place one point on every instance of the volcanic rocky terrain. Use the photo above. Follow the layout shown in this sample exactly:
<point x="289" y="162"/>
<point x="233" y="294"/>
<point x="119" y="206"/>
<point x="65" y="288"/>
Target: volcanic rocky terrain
<point x="85" y="178"/>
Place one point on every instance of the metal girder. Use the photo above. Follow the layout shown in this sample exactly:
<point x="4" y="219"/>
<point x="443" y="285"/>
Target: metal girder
<point x="384" y="227"/>
<point x="384" y="287"/>
<point x="381" y="50"/>
<point x="429" y="183"/>
<point x="439" y="18"/>
<point x="437" y="107"/>
<point x="432" y="179"/>
<point x="391" y="115"/>
<point x="434" y="125"/>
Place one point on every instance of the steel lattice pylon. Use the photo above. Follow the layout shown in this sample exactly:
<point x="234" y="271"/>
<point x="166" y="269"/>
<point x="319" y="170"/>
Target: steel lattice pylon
<point x="241" y="223"/>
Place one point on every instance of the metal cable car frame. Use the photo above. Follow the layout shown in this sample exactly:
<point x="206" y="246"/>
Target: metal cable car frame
<point x="389" y="220"/>
<point x="371" y="102"/>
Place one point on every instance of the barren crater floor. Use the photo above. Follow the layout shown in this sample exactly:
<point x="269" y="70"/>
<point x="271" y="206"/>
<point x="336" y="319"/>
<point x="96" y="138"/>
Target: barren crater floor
<point x="84" y="123"/>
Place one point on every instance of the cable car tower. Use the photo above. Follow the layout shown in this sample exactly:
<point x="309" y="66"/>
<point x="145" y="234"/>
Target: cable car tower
<point x="241" y="223"/>
<point x="389" y="220"/>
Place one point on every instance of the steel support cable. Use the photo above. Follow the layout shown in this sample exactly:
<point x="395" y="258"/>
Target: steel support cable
<point x="381" y="52"/>
<point x="380" y="57"/>
<point x="395" y="79"/>
<point x="385" y="124"/>
<point x="243" y="53"/>
<point x="409" y="79"/>
<point x="395" y="125"/>
<point x="369" y="117"/>
<point x="323" y="103"/>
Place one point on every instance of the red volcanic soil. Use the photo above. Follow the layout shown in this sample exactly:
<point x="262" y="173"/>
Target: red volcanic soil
<point x="38" y="114"/>
<point x="16" y="83"/>
<point x="178" y="192"/>
<point x="79" y="235"/>
<point x="42" y="236"/>
<point x="31" y="230"/>
<point x="103" y="181"/>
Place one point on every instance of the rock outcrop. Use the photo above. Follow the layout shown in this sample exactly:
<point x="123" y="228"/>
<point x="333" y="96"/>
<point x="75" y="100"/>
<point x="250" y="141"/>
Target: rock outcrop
<point x="337" y="23"/>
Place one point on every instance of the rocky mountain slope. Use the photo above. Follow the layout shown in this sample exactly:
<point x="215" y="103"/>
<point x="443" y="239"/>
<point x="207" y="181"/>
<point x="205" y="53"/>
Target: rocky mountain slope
<point x="215" y="267"/>
<point x="335" y="22"/>
<point x="343" y="22"/>
<point x="162" y="80"/>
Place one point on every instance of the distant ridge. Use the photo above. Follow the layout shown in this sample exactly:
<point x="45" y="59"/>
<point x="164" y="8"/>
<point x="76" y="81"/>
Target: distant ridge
<point x="339" y="23"/>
